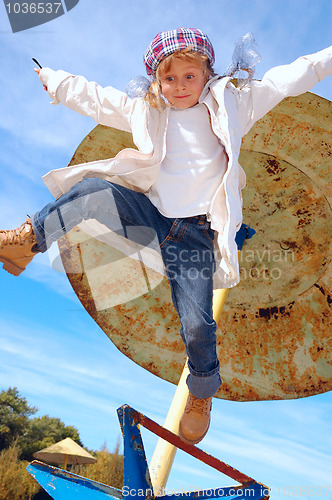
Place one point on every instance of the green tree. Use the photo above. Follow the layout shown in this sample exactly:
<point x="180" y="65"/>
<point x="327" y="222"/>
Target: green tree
<point x="31" y="434"/>
<point x="14" y="416"/>
<point x="44" y="431"/>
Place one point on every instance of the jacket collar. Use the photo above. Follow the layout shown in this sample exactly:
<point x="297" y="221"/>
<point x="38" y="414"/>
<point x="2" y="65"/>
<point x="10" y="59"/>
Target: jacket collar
<point x="211" y="83"/>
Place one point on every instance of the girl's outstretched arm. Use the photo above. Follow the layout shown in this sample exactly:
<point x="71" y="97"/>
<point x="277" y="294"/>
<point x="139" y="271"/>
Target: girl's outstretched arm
<point x="106" y="105"/>
<point x="259" y="97"/>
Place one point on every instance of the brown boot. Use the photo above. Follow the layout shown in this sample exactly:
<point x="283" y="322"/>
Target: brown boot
<point x="195" y="420"/>
<point x="17" y="248"/>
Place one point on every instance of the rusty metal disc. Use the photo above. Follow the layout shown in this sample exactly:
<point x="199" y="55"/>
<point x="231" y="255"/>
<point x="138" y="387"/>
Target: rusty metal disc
<point x="274" y="338"/>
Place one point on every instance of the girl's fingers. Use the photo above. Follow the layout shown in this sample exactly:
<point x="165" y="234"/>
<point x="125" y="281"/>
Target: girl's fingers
<point x="37" y="70"/>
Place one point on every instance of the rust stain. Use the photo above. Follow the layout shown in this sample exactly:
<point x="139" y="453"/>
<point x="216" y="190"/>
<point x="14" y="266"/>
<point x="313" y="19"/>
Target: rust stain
<point x="274" y="312"/>
<point x="325" y="293"/>
<point x="273" y="167"/>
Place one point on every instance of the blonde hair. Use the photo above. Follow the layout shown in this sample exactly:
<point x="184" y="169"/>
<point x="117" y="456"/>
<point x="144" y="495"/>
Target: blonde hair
<point x="154" y="96"/>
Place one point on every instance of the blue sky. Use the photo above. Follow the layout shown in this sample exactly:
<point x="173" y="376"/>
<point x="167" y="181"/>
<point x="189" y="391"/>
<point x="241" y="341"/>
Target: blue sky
<point x="49" y="347"/>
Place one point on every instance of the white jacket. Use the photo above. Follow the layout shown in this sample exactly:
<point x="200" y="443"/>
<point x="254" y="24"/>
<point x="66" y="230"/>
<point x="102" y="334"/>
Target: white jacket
<point x="233" y="112"/>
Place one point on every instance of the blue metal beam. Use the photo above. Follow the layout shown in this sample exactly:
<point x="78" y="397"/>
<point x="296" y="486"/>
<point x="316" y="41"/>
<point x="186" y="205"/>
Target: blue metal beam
<point x="63" y="485"/>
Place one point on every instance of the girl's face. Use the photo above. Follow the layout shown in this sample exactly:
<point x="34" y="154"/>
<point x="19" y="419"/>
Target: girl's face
<point x="183" y="83"/>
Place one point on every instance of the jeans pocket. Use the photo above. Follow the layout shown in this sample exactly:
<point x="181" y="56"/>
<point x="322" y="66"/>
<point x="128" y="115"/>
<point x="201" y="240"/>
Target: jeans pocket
<point x="177" y="231"/>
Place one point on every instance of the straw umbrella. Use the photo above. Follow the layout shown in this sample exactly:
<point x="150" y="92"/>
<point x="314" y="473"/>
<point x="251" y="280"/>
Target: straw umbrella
<point x="65" y="452"/>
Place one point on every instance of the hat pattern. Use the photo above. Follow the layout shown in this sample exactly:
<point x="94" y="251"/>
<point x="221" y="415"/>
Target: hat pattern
<point x="167" y="42"/>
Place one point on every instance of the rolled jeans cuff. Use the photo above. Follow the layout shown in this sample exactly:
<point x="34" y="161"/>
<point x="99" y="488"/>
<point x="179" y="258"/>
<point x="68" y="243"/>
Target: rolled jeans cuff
<point x="204" y="385"/>
<point x="39" y="233"/>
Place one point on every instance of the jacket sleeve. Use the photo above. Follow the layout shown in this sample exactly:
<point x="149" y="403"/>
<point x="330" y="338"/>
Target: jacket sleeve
<point x="259" y="97"/>
<point x="106" y="105"/>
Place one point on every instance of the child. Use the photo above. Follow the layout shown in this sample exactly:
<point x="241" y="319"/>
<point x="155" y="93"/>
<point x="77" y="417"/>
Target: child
<point x="184" y="181"/>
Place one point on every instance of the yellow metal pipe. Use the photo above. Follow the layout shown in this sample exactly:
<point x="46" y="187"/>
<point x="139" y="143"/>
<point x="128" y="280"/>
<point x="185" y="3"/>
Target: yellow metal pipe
<point x="164" y="453"/>
<point x="219" y="299"/>
<point x="163" y="456"/>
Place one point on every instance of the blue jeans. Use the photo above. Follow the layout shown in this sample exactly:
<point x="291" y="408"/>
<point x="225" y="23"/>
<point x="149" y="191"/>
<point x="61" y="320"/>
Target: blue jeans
<point x="186" y="247"/>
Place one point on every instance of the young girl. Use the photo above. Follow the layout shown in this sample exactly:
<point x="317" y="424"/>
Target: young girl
<point x="183" y="181"/>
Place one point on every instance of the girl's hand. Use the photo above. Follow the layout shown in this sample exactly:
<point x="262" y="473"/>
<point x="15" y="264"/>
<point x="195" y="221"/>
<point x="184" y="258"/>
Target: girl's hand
<point x="37" y="70"/>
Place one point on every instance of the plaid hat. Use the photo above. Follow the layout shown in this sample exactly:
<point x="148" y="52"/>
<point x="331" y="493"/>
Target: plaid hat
<point x="167" y="42"/>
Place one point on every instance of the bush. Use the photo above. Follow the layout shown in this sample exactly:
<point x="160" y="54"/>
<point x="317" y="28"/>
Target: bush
<point x="108" y="469"/>
<point x="15" y="482"/>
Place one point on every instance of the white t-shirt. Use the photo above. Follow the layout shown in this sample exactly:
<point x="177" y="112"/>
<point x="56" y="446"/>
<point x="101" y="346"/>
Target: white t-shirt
<point x="194" y="165"/>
